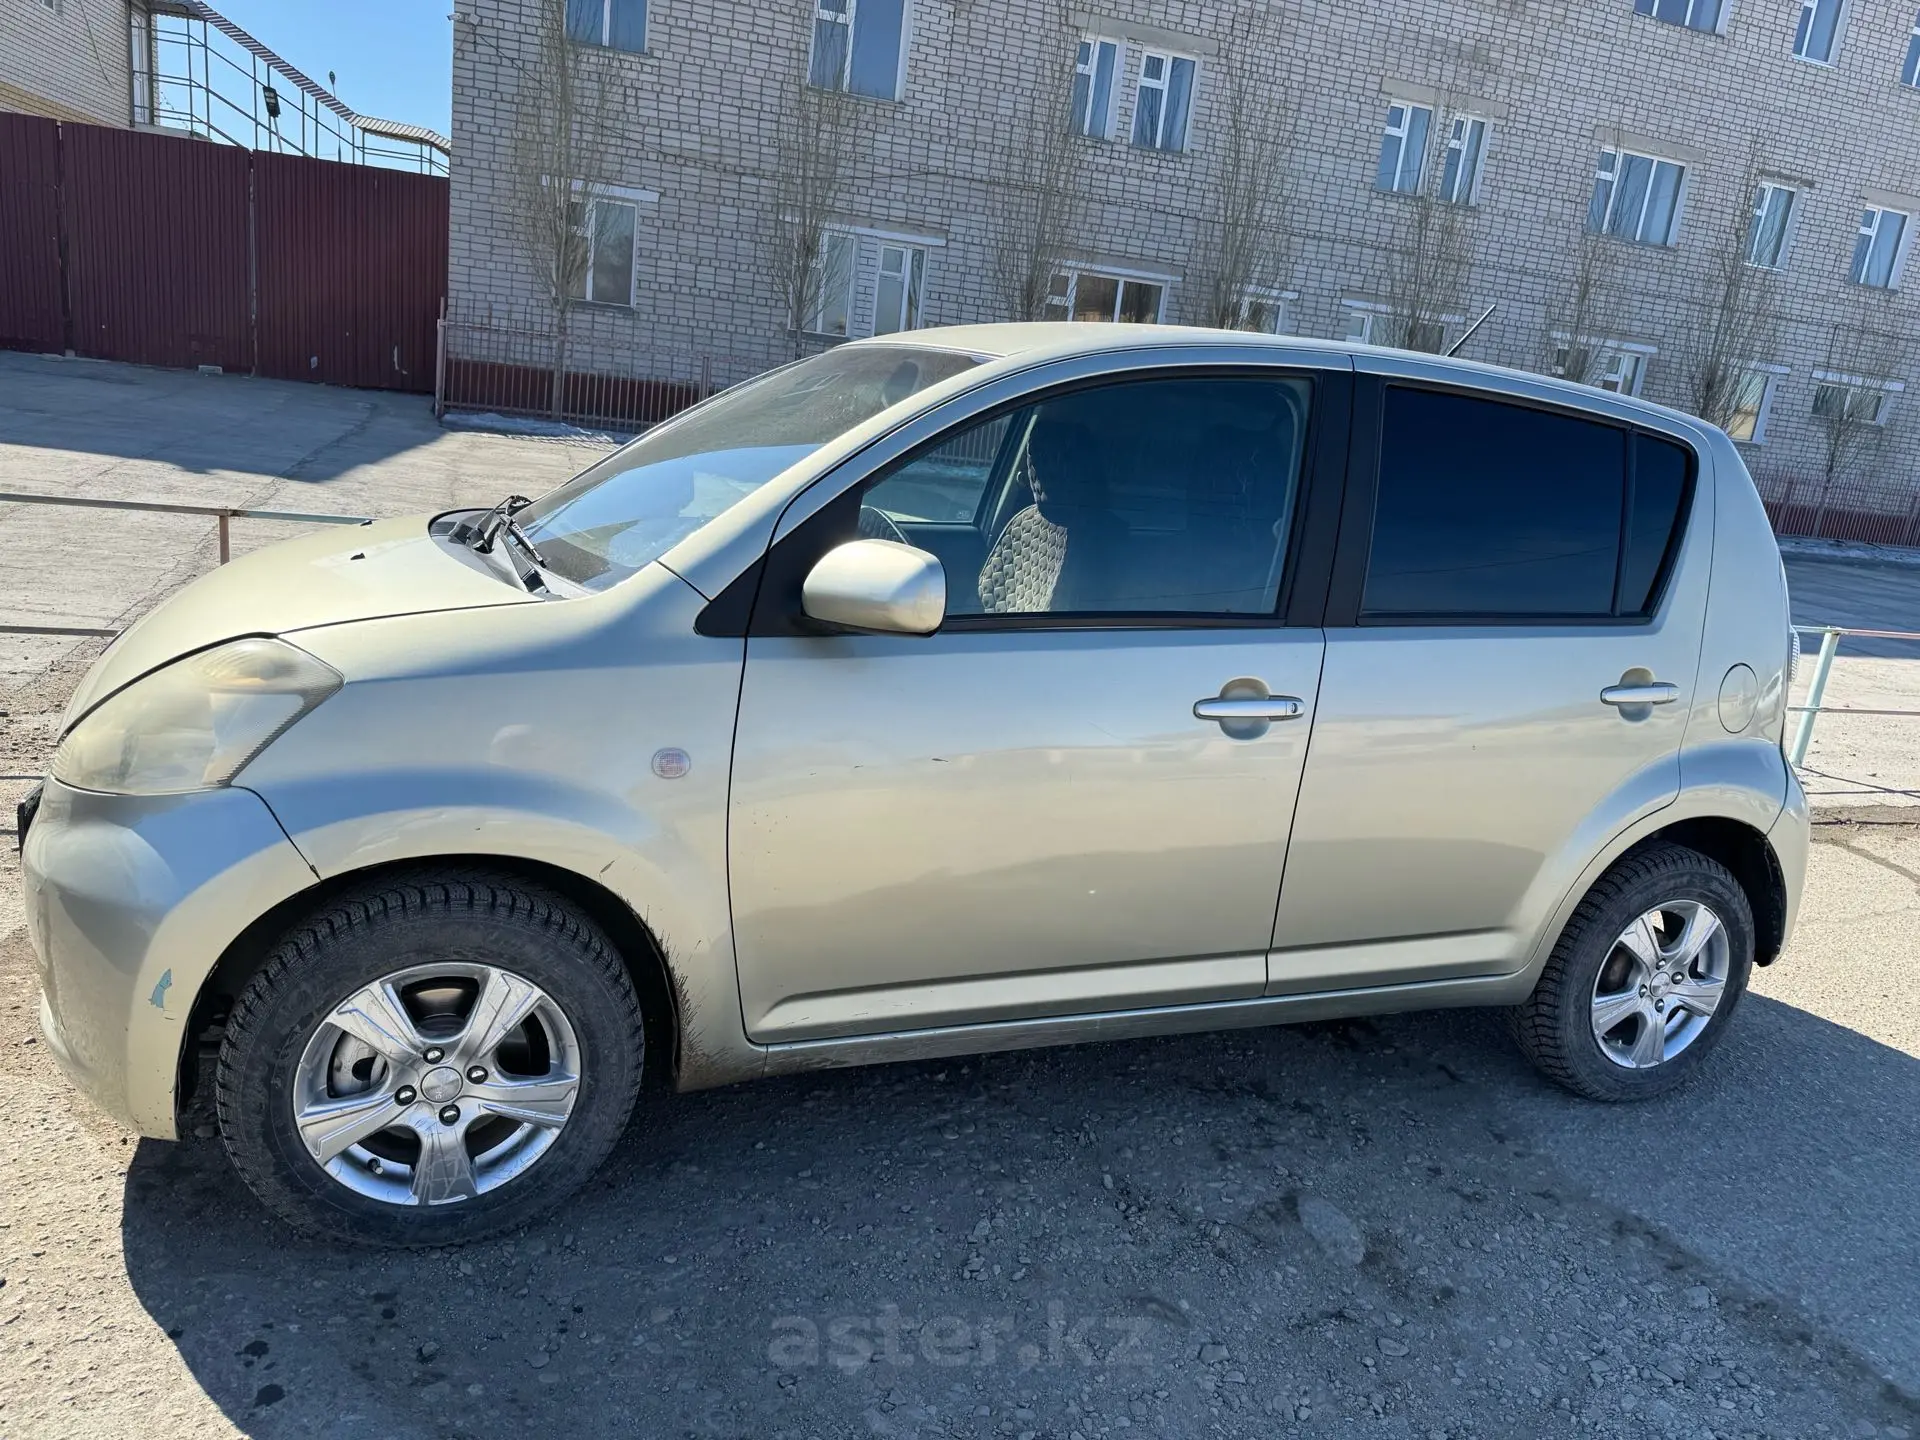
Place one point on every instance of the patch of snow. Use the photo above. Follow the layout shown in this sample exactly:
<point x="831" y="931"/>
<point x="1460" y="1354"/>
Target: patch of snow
<point x="1810" y="549"/>
<point x="493" y="423"/>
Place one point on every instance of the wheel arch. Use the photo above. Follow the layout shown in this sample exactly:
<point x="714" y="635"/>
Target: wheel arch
<point x="640" y="952"/>
<point x="1748" y="855"/>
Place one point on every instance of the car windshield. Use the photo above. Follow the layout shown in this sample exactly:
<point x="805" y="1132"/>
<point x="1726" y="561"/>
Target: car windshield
<point x="631" y="508"/>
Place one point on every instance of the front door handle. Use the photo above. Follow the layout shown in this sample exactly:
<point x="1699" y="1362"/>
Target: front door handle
<point x="1246" y="707"/>
<point x="1653" y="692"/>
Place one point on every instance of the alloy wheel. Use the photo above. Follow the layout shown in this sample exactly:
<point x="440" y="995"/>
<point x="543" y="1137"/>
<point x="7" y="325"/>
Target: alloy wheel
<point x="1660" y="984"/>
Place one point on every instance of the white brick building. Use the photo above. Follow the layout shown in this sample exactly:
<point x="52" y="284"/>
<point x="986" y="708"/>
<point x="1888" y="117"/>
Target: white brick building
<point x="1666" y="121"/>
<point x="67" y="60"/>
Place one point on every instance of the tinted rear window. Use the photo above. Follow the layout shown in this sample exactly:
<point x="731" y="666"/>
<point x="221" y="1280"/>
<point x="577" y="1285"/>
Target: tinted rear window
<point x="1486" y="508"/>
<point x="1660" y="473"/>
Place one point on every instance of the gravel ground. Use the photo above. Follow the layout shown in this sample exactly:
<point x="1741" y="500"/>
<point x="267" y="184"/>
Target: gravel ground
<point x="1390" y="1228"/>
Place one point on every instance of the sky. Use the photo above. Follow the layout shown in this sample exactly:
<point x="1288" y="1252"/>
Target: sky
<point x="394" y="58"/>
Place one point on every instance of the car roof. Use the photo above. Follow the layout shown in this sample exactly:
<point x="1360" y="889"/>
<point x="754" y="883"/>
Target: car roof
<point x="1031" y="341"/>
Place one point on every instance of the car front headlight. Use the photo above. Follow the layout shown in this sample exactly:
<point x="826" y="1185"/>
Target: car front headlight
<point x="193" y="724"/>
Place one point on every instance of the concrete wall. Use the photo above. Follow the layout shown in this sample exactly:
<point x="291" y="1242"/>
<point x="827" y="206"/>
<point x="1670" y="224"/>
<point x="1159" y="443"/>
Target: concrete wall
<point x="67" y="61"/>
<point x="699" y="116"/>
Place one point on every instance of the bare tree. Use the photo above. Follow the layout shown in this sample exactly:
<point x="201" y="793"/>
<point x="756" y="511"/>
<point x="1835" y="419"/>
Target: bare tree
<point x="818" y="143"/>
<point x="1742" y="323"/>
<point x="1246" y="230"/>
<point x="1850" y="403"/>
<point x="559" y="135"/>
<point x="1432" y="254"/>
<point x="1586" y="314"/>
<point x="1038" y="201"/>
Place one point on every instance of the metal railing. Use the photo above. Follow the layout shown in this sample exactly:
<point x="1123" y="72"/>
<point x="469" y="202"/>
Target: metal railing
<point x="1817" y="686"/>
<point x="223" y="514"/>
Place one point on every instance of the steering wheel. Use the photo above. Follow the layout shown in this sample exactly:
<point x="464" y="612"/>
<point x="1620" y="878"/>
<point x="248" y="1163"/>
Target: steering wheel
<point x="876" y="524"/>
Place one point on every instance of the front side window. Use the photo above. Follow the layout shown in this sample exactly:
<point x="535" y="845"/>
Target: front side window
<point x="1694" y="14"/>
<point x="832" y="286"/>
<point x="606" y="229"/>
<point x="1165" y="497"/>
<point x="1877" y="248"/>
<point x="1910" y="67"/>
<point x="1495" y="511"/>
<point x="1088" y="295"/>
<point x="1466" y="144"/>
<point x="858" y="45"/>
<point x="1635" y="197"/>
<point x="1093" y="72"/>
<point x="1767" y="238"/>
<point x="1166" y="95"/>
<point x="1857" y="402"/>
<point x="1403" y="148"/>
<point x="1752" y="398"/>
<point x="617" y="24"/>
<point x="1819" y="28"/>
<point x="898" y="289"/>
<point x="632" y="507"/>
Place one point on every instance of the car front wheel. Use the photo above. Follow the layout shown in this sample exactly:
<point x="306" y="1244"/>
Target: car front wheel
<point x="1644" y="978"/>
<point x="429" y="1061"/>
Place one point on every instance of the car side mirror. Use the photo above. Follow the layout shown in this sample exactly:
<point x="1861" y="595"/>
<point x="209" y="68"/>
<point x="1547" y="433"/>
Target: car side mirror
<point x="877" y="586"/>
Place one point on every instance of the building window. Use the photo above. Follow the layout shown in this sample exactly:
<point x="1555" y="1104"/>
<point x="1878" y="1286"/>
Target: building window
<point x="1818" y="31"/>
<point x="1694" y="14"/>
<point x="1093" y="73"/>
<point x="1166" y="95"/>
<point x="832" y="311"/>
<point x="1910" y="67"/>
<point x="1636" y="197"/>
<point x="1403" y="148"/>
<point x="1840" y="398"/>
<point x="859" y="45"/>
<point x="1265" y="312"/>
<point x="1618" y="370"/>
<point x="1767" y="239"/>
<point x="1876" y="249"/>
<point x="1088" y="295"/>
<point x="1377" y="325"/>
<point x="618" y="24"/>
<point x="1752" y="399"/>
<point x="1466" y="145"/>
<point x="606" y="228"/>
<point x="898" y="291"/>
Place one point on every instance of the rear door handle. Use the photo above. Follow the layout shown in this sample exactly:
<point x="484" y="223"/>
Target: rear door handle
<point x="1654" y="692"/>
<point x="1238" y="707"/>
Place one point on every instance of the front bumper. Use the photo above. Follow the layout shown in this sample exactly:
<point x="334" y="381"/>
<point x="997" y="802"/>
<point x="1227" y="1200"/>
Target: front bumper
<point x="131" y="900"/>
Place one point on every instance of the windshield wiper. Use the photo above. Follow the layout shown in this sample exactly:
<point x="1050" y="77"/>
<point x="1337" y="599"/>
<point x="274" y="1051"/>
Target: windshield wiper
<point x="483" y="533"/>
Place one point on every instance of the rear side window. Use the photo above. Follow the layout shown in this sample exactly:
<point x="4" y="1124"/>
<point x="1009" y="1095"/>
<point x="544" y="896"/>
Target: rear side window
<point x="1488" y="510"/>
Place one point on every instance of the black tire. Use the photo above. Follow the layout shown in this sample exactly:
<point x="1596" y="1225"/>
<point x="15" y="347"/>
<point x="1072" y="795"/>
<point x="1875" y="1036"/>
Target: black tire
<point x="361" y="937"/>
<point x="1554" y="1025"/>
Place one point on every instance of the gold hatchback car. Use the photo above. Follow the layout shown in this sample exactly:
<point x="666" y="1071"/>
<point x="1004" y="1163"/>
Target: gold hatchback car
<point x="973" y="689"/>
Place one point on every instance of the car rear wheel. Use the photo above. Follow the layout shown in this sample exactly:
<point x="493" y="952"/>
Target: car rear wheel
<point x="430" y="1061"/>
<point x="1644" y="978"/>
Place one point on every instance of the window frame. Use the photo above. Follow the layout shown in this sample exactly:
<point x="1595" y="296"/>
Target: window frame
<point x="1164" y="85"/>
<point x="589" y="231"/>
<point x="605" y="42"/>
<point x="1649" y="8"/>
<point x="808" y="324"/>
<point x="1281" y="302"/>
<point x="1121" y="279"/>
<point x="772" y="588"/>
<point x="1888" y="391"/>
<point x="849" y="16"/>
<point x="1457" y="143"/>
<point x="1402" y="133"/>
<point x="914" y="263"/>
<point x="1803" y="32"/>
<point x="1910" y="65"/>
<point x="1361" y="494"/>
<point x="1611" y="175"/>
<point x="1767" y="189"/>
<point x="1770" y="378"/>
<point x="1861" y="265"/>
<point x="1083" y="118"/>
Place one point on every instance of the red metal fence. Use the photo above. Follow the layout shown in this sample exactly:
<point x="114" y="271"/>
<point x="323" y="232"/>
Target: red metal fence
<point x="171" y="251"/>
<point x="1874" y="511"/>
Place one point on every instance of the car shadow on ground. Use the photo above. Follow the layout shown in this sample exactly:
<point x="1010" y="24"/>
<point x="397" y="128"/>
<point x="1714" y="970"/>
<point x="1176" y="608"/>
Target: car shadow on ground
<point x="1188" y="1234"/>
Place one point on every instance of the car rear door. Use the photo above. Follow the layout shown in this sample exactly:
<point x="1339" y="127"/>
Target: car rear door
<point x="1053" y="805"/>
<point x="1513" y="634"/>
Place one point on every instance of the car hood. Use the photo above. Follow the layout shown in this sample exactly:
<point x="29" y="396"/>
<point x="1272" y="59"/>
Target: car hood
<point x="331" y="577"/>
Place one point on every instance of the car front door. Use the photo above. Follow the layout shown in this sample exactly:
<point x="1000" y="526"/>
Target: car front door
<point x="1044" y="808"/>
<point x="1513" y="635"/>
